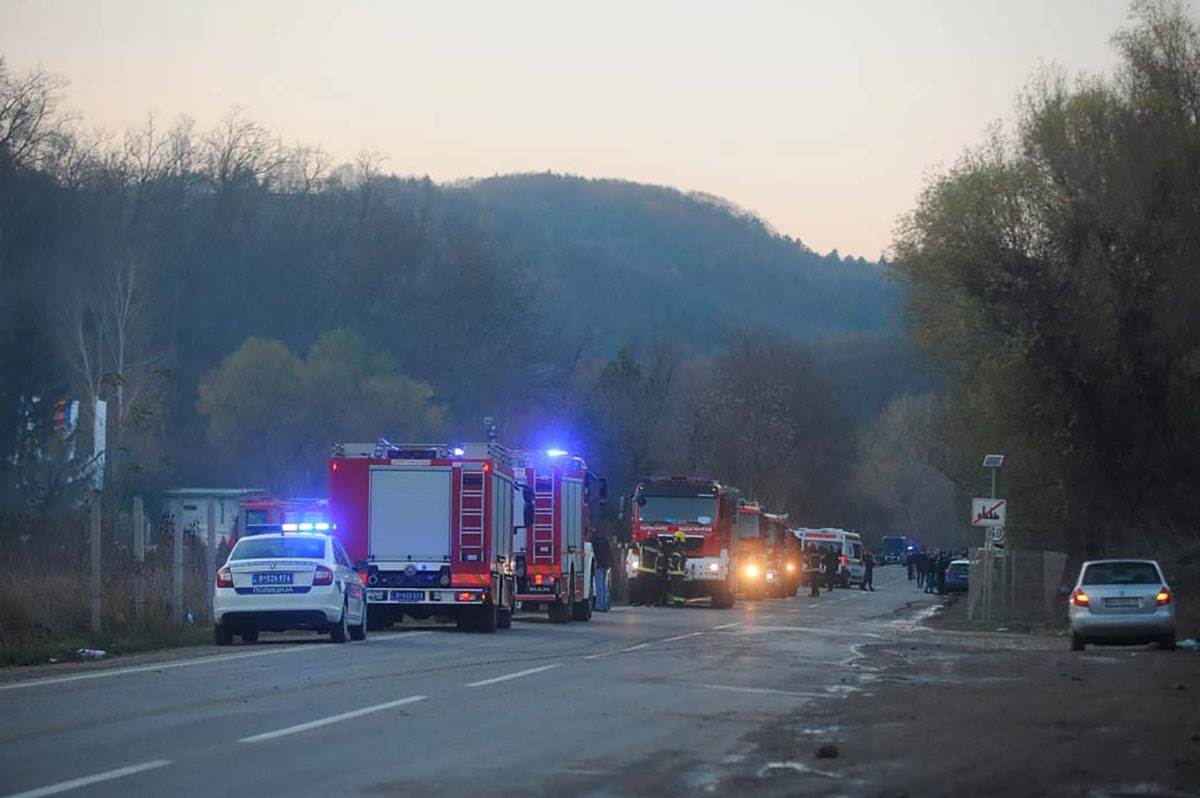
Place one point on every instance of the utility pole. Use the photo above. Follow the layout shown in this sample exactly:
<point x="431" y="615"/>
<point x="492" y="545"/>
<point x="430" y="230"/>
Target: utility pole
<point x="210" y="555"/>
<point x="139" y="555"/>
<point x="177" y="569"/>
<point x="97" y="586"/>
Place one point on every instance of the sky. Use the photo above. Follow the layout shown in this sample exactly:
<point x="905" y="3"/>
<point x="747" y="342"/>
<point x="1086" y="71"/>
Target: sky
<point x="823" y="118"/>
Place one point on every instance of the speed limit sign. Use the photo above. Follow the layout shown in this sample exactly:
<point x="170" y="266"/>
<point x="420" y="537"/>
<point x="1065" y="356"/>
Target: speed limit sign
<point x="996" y="535"/>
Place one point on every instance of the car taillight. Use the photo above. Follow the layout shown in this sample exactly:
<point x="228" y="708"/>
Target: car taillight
<point x="323" y="576"/>
<point x="842" y="559"/>
<point x="363" y="576"/>
<point x="1163" y="597"/>
<point x="1080" y="599"/>
<point x="466" y="596"/>
<point x="225" y="577"/>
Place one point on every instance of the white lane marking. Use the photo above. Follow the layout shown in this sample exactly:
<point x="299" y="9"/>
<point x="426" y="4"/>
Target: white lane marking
<point x="728" y="625"/>
<point x="764" y="690"/>
<point x="187" y="663"/>
<point x="812" y="606"/>
<point x="680" y="637"/>
<point x="313" y="724"/>
<point x="517" y="675"/>
<point x="74" y="784"/>
<point x="638" y="647"/>
<point x="766" y="617"/>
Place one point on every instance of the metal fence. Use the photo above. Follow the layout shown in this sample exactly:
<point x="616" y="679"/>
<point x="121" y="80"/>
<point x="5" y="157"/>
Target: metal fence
<point x="1014" y="585"/>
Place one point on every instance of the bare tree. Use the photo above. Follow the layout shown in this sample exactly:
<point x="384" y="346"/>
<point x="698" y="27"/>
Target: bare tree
<point x="29" y="118"/>
<point x="241" y="150"/>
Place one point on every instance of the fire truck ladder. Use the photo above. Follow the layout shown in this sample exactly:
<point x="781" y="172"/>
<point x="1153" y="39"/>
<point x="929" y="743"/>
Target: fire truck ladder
<point x="470" y="517"/>
<point x="542" y="544"/>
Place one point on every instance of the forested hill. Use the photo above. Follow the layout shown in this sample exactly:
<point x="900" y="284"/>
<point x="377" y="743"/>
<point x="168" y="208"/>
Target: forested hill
<point x="631" y="262"/>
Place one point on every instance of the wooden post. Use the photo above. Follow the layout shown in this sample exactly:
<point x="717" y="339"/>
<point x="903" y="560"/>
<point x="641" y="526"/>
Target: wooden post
<point x="210" y="555"/>
<point x="177" y="568"/>
<point x="139" y="556"/>
<point x="97" y="586"/>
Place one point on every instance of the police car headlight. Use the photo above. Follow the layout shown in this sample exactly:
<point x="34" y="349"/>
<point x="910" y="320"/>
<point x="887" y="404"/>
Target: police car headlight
<point x="714" y="567"/>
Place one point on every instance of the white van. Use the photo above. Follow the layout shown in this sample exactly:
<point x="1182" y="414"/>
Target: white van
<point x="848" y="546"/>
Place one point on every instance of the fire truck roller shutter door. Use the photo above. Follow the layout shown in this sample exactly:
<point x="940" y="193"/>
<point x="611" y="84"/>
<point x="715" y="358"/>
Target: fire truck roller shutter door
<point x="410" y="513"/>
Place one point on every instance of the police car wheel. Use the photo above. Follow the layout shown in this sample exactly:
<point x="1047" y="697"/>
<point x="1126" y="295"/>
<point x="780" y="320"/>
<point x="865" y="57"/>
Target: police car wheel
<point x="249" y="636"/>
<point x="340" y="631"/>
<point x="360" y="632"/>
<point x="222" y="635"/>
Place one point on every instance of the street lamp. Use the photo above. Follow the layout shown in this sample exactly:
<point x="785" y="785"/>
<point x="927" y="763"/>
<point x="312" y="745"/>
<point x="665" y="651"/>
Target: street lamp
<point x="994" y="462"/>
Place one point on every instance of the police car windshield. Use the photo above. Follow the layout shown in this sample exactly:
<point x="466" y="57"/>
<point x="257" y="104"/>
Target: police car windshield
<point x="287" y="548"/>
<point x="677" y="509"/>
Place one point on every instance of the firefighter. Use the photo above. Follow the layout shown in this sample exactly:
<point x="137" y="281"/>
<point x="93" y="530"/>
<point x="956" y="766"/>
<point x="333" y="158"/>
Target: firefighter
<point x="831" y="566"/>
<point x="676" y="564"/>
<point x="812" y="561"/>
<point x="647" y="571"/>
<point x="659" y="590"/>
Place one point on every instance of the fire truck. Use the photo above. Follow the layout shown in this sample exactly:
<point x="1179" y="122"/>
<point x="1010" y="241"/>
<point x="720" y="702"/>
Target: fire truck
<point x="258" y="514"/>
<point x="430" y="528"/>
<point x="705" y="511"/>
<point x="554" y="561"/>
<point x="751" y="561"/>
<point x="783" y="556"/>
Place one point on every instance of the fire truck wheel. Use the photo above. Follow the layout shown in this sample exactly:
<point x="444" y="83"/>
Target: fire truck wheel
<point x="488" y="619"/>
<point x="582" y="611"/>
<point x="465" y="622"/>
<point x="340" y="631"/>
<point x="559" y="612"/>
<point x="222" y="635"/>
<point x="504" y="617"/>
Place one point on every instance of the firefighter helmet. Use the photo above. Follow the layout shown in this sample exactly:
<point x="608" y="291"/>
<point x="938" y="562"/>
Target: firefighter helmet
<point x="680" y="537"/>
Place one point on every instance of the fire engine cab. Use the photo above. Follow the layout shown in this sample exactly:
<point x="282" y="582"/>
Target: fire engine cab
<point x="782" y="555"/>
<point x="751" y="560"/>
<point x="554" y="561"/>
<point x="261" y="514"/>
<point x="430" y="527"/>
<point x="706" y="512"/>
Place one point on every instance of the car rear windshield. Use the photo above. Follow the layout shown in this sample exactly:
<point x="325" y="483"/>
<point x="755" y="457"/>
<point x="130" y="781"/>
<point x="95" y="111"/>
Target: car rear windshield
<point x="1121" y="573"/>
<point x="287" y="548"/>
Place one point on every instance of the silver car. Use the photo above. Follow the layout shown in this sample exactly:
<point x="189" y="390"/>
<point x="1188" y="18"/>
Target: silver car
<point x="1122" y="601"/>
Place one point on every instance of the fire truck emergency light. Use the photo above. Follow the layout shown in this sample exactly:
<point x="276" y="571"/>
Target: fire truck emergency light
<point x="556" y="452"/>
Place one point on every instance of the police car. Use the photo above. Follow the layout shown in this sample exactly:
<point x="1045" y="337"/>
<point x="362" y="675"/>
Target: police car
<point x="288" y="580"/>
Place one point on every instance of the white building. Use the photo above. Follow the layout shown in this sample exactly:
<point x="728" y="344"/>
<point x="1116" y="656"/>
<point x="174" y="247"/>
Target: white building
<point x="191" y="505"/>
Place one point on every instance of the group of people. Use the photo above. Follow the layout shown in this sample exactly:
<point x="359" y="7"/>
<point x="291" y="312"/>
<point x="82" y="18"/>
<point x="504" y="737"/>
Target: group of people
<point x="821" y="564"/>
<point x="662" y="566"/>
<point x="928" y="569"/>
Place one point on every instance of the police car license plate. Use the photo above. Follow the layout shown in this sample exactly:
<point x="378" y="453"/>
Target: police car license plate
<point x="283" y="578"/>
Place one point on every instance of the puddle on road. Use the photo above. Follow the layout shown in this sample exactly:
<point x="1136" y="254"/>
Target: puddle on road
<point x="775" y="768"/>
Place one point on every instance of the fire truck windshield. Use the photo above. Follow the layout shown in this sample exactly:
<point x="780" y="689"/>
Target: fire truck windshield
<point x="677" y="509"/>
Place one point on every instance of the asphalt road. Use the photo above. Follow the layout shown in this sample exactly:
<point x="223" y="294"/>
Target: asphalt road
<point x="637" y="701"/>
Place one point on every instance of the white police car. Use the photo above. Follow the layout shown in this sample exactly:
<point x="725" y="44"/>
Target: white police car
<point x="281" y="581"/>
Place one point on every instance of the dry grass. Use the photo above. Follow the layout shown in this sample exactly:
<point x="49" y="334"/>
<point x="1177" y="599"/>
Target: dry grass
<point x="45" y="607"/>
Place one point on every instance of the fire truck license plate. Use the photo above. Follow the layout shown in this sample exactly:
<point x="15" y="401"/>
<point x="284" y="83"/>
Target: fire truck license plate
<point x="408" y="595"/>
<point x="271" y="579"/>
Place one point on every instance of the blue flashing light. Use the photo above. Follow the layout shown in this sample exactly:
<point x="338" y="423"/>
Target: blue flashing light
<point x="306" y="527"/>
<point x="458" y="451"/>
<point x="321" y="527"/>
<point x="288" y="527"/>
<point x="556" y="452"/>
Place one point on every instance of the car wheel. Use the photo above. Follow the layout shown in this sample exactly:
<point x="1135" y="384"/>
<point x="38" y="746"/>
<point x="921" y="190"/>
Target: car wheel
<point x="222" y="635"/>
<point x="1167" y="643"/>
<point x="359" y="632"/>
<point x="1077" y="643"/>
<point x="340" y="631"/>
<point x="249" y="636"/>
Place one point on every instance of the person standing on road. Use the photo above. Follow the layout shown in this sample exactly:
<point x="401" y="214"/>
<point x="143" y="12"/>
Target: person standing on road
<point x="922" y="564"/>
<point x="868" y="582"/>
<point x="812" y="563"/>
<point x="931" y="571"/>
<point x="909" y="558"/>
<point x="603" y="558"/>
<point x="831" y="567"/>
<point x="942" y="566"/>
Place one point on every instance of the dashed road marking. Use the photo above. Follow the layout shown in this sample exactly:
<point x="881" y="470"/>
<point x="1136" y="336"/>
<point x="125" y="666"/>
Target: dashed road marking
<point x="86" y="781"/>
<point x="680" y="637"/>
<point x="638" y="647"/>
<point x="728" y="625"/>
<point x="762" y="690"/>
<point x="314" y="724"/>
<point x="517" y="675"/>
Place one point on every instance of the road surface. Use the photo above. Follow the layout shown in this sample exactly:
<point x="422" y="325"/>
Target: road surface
<point x="600" y="708"/>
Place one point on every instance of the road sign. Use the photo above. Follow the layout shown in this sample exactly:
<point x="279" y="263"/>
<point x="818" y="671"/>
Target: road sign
<point x="996" y="537"/>
<point x="988" y="512"/>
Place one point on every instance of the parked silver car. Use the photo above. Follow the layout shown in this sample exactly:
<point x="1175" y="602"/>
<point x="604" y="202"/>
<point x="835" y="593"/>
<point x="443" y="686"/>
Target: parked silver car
<point x="1122" y="601"/>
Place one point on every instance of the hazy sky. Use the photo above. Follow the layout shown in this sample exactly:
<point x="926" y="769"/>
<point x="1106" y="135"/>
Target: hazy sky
<point x="822" y="117"/>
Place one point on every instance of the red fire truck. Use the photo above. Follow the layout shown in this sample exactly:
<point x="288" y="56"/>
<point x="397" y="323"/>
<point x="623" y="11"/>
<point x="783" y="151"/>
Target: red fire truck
<point x="783" y="556"/>
<point x="751" y="561"/>
<point x="269" y="514"/>
<point x="705" y="511"/>
<point x="430" y="527"/>
<point x="554" y="562"/>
